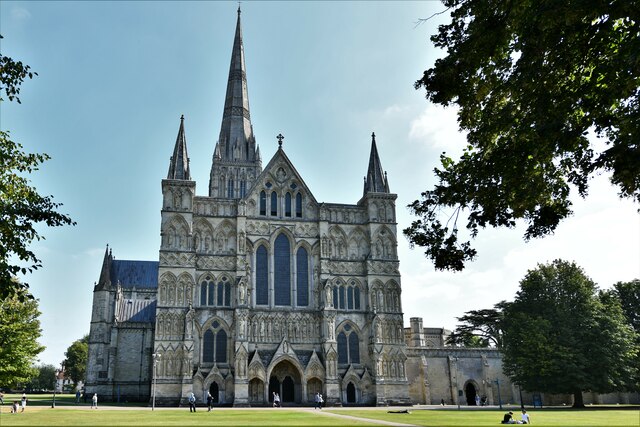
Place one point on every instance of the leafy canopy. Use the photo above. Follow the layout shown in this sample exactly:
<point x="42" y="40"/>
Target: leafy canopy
<point x="480" y="328"/>
<point x="560" y="336"/>
<point x="45" y="378"/>
<point x="75" y="364"/>
<point x="21" y="207"/>
<point x="19" y="333"/>
<point x="531" y="79"/>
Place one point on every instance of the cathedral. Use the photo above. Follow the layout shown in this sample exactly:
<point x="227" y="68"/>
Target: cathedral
<point x="259" y="289"/>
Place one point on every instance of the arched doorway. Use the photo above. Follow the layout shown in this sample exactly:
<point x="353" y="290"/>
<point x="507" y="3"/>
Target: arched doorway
<point x="314" y="385"/>
<point x="256" y="391"/>
<point x="470" y="394"/>
<point x="351" y="393"/>
<point x="215" y="392"/>
<point x="285" y="380"/>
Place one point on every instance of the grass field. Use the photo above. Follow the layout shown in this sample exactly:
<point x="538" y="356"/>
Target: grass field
<point x="39" y="412"/>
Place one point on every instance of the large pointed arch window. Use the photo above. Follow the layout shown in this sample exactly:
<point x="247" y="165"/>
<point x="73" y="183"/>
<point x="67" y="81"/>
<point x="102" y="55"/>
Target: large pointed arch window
<point x="282" y="271"/>
<point x="348" y="345"/>
<point x="302" y="277"/>
<point x="214" y="344"/>
<point x="262" y="276"/>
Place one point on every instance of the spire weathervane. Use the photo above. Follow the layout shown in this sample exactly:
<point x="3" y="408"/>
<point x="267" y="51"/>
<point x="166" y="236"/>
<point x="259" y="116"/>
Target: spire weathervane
<point x="280" y="138"/>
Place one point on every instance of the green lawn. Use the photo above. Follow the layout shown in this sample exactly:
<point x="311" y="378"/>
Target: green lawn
<point x="61" y="415"/>
<point x="490" y="417"/>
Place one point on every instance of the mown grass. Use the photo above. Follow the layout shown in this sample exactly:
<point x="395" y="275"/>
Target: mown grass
<point x="105" y="416"/>
<point x="490" y="417"/>
<point x="42" y="416"/>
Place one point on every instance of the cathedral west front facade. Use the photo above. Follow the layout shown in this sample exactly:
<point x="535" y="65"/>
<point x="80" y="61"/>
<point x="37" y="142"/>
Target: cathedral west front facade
<point x="259" y="288"/>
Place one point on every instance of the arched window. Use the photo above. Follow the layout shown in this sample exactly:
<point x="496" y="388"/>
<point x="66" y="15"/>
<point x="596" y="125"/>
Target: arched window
<point x="230" y="188"/>
<point x="214" y="344"/>
<point x="282" y="270"/>
<point x="350" y="298"/>
<point x="342" y="297"/>
<point x="207" y="347"/>
<point x="212" y="293"/>
<point x="298" y="205"/>
<point x="203" y="293"/>
<point x="274" y="204"/>
<point x="243" y="188"/>
<point x="220" y="299"/>
<point x="287" y="205"/>
<point x="354" y="348"/>
<point x="356" y="297"/>
<point x="227" y="294"/>
<point x="335" y="296"/>
<point x="262" y="276"/>
<point x="343" y="350"/>
<point x="302" y="285"/>
<point x="221" y="346"/>
<point x="348" y="345"/>
<point x="263" y="203"/>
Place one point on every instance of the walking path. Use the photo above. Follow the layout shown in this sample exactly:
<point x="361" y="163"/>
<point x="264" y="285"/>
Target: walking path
<point x="369" y="420"/>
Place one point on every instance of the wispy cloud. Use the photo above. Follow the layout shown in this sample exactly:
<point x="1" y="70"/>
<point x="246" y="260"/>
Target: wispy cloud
<point x="20" y="14"/>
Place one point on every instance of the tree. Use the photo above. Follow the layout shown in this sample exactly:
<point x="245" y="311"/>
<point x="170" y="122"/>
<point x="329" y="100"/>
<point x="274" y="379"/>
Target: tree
<point x="628" y="294"/>
<point x="21" y="207"/>
<point x="75" y="364"/>
<point x="45" y="378"/>
<point x="531" y="80"/>
<point x="19" y="333"/>
<point x="561" y="337"/>
<point x="480" y="328"/>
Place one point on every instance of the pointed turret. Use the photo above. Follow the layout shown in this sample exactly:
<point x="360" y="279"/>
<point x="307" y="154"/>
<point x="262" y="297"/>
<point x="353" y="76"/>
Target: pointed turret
<point x="376" y="179"/>
<point x="179" y="163"/>
<point x="236" y="134"/>
<point x="105" y="274"/>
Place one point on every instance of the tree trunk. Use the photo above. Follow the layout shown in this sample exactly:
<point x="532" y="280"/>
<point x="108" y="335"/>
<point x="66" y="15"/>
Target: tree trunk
<point x="578" y="402"/>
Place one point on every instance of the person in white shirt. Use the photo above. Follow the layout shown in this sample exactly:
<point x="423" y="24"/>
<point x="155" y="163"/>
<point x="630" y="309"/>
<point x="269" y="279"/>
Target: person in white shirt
<point x="526" y="419"/>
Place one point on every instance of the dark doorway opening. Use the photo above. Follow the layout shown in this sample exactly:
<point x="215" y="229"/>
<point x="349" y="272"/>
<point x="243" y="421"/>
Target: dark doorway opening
<point x="351" y="393"/>
<point x="215" y="392"/>
<point x="274" y="387"/>
<point x="470" y="394"/>
<point x="288" y="394"/>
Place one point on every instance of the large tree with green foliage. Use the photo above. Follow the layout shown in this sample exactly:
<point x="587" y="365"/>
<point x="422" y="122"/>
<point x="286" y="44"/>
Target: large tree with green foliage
<point x="560" y="336"/>
<point x="628" y="293"/>
<point x="45" y="378"/>
<point x="531" y="79"/>
<point x="75" y="364"/>
<point x="480" y="328"/>
<point x="19" y="333"/>
<point x="21" y="207"/>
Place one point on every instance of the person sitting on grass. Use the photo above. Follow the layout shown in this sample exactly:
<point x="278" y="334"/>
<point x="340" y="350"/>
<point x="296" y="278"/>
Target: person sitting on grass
<point x="14" y="407"/>
<point x="526" y="419"/>
<point x="508" y="418"/>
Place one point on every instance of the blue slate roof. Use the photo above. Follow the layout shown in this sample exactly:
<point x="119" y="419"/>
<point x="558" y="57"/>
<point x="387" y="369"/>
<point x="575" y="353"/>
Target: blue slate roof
<point x="137" y="310"/>
<point x="141" y="274"/>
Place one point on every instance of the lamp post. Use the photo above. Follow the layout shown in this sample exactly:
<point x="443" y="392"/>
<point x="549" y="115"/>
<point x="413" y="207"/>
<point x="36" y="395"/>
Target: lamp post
<point x="499" y="399"/>
<point x="156" y="359"/>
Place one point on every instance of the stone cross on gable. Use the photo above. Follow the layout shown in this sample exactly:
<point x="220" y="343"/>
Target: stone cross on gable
<point x="280" y="138"/>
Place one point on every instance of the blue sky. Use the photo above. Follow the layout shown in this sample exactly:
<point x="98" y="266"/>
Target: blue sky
<point x="114" y="78"/>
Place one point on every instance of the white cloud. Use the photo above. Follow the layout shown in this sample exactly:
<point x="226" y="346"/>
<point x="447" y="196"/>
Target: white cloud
<point x="438" y="127"/>
<point x="20" y="14"/>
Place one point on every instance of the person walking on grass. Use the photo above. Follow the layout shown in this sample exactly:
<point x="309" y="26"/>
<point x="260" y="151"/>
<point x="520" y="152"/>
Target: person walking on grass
<point x="192" y="402"/>
<point x="24" y="401"/>
<point x="94" y="401"/>
<point x="209" y="401"/>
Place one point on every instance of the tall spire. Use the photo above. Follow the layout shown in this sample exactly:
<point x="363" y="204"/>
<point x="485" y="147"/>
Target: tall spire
<point x="236" y="133"/>
<point x="376" y="179"/>
<point x="179" y="163"/>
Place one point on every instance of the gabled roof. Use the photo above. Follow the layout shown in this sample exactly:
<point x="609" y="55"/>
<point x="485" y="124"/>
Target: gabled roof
<point x="278" y="158"/>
